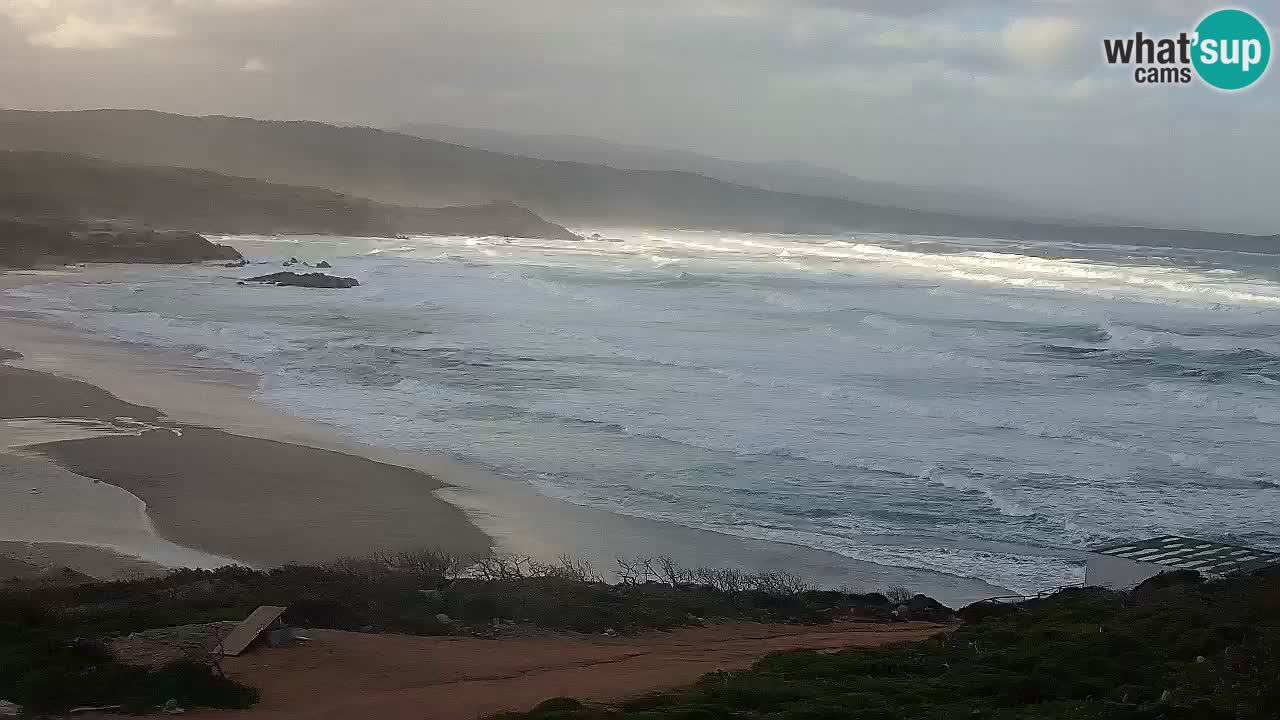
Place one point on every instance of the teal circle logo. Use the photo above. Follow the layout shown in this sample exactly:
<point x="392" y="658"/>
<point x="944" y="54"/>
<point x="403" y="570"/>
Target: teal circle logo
<point x="1232" y="49"/>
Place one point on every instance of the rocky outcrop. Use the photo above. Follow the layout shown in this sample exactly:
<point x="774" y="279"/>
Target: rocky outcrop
<point x="309" y="280"/>
<point x="32" y="243"/>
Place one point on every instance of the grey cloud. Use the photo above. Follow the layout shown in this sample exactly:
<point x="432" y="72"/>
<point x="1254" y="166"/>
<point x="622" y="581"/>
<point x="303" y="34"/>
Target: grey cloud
<point x="926" y="91"/>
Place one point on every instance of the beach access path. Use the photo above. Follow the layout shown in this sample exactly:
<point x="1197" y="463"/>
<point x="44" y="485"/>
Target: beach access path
<point x="340" y="675"/>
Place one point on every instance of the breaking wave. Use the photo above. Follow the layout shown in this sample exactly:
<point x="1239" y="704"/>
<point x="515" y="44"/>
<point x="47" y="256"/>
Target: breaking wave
<point x="970" y="407"/>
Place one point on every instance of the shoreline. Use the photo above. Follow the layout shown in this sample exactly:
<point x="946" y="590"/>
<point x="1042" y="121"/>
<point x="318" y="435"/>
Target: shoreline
<point x="185" y="391"/>
<point x="41" y="561"/>
<point x="234" y="498"/>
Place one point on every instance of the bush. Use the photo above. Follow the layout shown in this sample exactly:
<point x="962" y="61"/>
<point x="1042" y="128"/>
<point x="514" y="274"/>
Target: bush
<point x="557" y="704"/>
<point x="42" y="663"/>
<point x="59" y="677"/>
<point x="1080" y="654"/>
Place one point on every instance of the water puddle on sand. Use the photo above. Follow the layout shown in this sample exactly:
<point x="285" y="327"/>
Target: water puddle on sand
<point x="45" y="503"/>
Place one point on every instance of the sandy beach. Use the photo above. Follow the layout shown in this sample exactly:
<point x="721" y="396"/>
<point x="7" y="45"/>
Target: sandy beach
<point x="286" y="503"/>
<point x="39" y="561"/>
<point x="167" y="459"/>
<point x="256" y="501"/>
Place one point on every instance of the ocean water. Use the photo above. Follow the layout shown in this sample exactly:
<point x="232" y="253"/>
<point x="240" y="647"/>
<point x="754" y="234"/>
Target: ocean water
<point x="974" y="407"/>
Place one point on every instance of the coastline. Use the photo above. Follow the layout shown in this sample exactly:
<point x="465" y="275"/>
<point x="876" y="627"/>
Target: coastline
<point x="184" y="391"/>
<point x="41" y="561"/>
<point x="260" y="502"/>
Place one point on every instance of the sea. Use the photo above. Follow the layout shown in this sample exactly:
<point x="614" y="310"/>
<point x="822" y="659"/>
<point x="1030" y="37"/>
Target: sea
<point x="976" y="407"/>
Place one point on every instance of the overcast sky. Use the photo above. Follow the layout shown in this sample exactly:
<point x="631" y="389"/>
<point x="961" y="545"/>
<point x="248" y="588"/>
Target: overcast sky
<point x="1006" y="95"/>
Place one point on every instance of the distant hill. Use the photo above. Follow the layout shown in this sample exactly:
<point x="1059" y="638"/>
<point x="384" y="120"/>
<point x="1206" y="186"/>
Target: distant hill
<point x="56" y="185"/>
<point x="787" y="177"/>
<point x="397" y="168"/>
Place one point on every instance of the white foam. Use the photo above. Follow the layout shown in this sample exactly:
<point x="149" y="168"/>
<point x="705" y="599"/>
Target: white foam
<point x="22" y="432"/>
<point x="784" y="373"/>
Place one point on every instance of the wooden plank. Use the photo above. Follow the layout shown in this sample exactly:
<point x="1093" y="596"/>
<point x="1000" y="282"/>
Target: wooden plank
<point x="246" y="632"/>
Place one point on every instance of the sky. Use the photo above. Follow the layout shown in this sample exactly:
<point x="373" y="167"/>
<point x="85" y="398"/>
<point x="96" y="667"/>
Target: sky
<point x="1003" y="95"/>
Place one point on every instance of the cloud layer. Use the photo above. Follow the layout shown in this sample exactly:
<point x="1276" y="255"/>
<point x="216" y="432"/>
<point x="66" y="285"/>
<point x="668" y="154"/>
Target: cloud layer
<point x="1005" y="95"/>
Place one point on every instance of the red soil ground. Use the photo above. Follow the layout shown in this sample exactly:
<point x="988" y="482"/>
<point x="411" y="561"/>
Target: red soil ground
<point x="340" y="676"/>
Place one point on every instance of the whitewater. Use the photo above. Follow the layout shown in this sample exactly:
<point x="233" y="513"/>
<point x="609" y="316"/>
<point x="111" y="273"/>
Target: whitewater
<point x="975" y="407"/>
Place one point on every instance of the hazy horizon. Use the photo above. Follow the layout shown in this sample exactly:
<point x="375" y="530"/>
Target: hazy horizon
<point x="1009" y="98"/>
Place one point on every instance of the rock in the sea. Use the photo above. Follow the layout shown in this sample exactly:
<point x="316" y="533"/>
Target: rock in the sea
<point x="310" y="280"/>
<point x="323" y="264"/>
<point x="242" y="262"/>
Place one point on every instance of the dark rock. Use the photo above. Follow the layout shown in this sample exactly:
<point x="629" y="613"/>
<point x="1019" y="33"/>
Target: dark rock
<point x="241" y="263"/>
<point x="32" y="243"/>
<point x="323" y="264"/>
<point x="310" y="280"/>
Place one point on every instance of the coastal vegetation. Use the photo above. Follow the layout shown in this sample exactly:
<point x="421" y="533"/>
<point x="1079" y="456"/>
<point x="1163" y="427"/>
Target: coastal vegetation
<point x="1176" y="648"/>
<point x="53" y="641"/>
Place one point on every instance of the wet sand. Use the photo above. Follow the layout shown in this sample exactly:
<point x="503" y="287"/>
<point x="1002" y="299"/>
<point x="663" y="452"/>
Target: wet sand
<point x="30" y="394"/>
<point x="53" y="507"/>
<point x="234" y="498"/>
<point x="34" y="560"/>
<point x="271" y="503"/>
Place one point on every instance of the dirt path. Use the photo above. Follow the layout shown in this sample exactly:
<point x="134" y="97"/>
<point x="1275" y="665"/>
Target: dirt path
<point x="339" y="676"/>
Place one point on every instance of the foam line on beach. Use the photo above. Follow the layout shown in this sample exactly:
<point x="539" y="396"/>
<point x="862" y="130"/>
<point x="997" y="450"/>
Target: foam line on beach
<point x="16" y="433"/>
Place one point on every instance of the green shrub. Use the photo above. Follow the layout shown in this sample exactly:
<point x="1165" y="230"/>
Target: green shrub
<point x="45" y="666"/>
<point x="1084" y="654"/>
